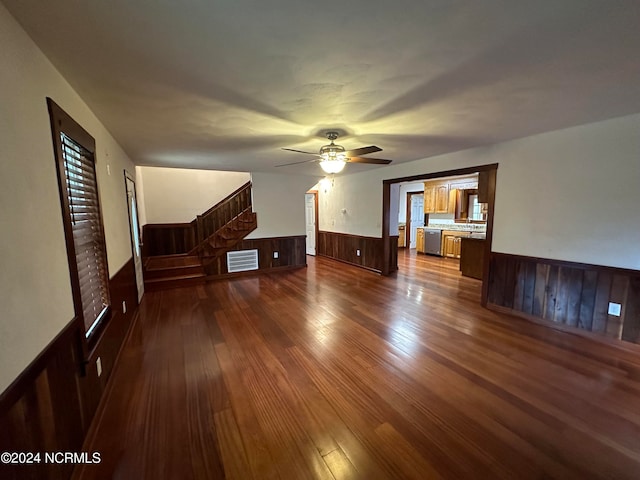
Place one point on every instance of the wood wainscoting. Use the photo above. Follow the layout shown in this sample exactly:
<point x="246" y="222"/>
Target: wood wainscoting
<point x="291" y="254"/>
<point x="168" y="238"/>
<point x="50" y="406"/>
<point x="344" y="247"/>
<point x="568" y="294"/>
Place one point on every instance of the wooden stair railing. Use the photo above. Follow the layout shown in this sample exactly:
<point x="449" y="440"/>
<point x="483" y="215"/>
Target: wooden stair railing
<point x="224" y="225"/>
<point x="223" y="212"/>
<point x="225" y="238"/>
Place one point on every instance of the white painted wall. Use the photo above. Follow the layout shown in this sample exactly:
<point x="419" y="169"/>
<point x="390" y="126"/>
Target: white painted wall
<point x="35" y="291"/>
<point x="278" y="201"/>
<point x="570" y="194"/>
<point x="178" y="195"/>
<point x="142" y="209"/>
<point x="354" y="195"/>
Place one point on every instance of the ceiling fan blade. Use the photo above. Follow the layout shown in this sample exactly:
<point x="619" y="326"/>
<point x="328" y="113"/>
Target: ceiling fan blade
<point x="363" y="151"/>
<point x="376" y="161"/>
<point x="300" y="151"/>
<point x="297" y="163"/>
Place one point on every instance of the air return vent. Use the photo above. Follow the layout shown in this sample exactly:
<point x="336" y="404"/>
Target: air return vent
<point x="242" y="260"/>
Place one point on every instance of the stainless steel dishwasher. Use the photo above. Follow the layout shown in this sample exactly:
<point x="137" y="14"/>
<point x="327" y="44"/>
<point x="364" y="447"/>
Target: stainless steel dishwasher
<point x="433" y="241"/>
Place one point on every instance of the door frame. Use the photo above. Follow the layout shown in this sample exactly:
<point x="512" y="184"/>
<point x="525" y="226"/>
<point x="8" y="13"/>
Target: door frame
<point x="128" y="176"/>
<point x="407" y="228"/>
<point x="315" y="208"/>
<point x="491" y="169"/>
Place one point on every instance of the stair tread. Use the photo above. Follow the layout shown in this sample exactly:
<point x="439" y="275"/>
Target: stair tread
<point x="172" y="267"/>
<point x="157" y="263"/>
<point x="175" y="277"/>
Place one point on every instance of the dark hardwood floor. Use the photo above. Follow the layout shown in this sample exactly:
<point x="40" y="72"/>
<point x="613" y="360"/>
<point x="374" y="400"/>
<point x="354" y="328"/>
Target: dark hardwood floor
<point x="336" y="372"/>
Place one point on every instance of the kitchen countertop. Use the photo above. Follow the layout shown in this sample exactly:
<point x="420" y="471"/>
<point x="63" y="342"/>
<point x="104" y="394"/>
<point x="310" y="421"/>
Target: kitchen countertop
<point x="460" y="227"/>
<point x="477" y="236"/>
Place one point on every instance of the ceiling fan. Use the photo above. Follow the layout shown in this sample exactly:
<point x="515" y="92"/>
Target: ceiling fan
<point x="334" y="157"/>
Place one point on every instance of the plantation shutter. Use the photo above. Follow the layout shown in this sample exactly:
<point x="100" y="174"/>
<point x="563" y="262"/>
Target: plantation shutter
<point x="86" y="224"/>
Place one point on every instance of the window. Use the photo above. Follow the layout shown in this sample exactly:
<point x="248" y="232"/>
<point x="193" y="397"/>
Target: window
<point x="475" y="208"/>
<point x="86" y="250"/>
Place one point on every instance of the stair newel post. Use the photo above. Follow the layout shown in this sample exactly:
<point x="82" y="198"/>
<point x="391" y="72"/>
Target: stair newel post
<point x="199" y="229"/>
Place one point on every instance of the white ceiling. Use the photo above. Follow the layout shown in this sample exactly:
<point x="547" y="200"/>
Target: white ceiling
<point x="224" y="84"/>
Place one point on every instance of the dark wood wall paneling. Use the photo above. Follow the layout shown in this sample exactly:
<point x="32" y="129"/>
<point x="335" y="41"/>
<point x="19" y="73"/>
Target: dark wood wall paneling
<point x="50" y="406"/>
<point x="568" y="294"/>
<point x="291" y="254"/>
<point x="344" y="247"/>
<point x="168" y="238"/>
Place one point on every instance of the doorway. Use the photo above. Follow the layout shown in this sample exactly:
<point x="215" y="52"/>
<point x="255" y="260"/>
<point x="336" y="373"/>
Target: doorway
<point x="134" y="228"/>
<point x="311" y="220"/>
<point x="487" y="173"/>
<point x="415" y="217"/>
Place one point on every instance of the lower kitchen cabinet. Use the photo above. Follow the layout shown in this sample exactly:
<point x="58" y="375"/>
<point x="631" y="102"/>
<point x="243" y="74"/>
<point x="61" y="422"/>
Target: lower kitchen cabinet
<point x="451" y="243"/>
<point x="420" y="240"/>
<point x="402" y="236"/>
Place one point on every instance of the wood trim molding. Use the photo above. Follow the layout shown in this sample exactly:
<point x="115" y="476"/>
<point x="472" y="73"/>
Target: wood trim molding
<point x="566" y="263"/>
<point x="491" y="194"/>
<point x="317" y="219"/>
<point x="627" y="346"/>
<point x="344" y="246"/>
<point x="386" y="222"/>
<point x="17" y="388"/>
<point x="446" y="173"/>
<point x="572" y="295"/>
<point x="291" y="253"/>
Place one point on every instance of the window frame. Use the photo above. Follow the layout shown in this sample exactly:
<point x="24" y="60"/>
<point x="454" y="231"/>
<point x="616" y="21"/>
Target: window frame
<point x="62" y="123"/>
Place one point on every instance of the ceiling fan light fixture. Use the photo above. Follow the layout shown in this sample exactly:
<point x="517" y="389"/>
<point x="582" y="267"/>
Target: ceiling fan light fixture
<point x="332" y="165"/>
<point x="333" y="157"/>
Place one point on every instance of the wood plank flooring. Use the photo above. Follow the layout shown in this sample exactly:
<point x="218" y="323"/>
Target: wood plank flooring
<point x="333" y="372"/>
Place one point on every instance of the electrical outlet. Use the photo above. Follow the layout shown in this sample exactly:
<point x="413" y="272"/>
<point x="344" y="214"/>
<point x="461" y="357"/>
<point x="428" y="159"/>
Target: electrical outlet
<point x="358" y="252"/>
<point x="614" y="309"/>
<point x="108" y="169"/>
<point x="124" y="306"/>
<point x="99" y="366"/>
<point x="275" y="254"/>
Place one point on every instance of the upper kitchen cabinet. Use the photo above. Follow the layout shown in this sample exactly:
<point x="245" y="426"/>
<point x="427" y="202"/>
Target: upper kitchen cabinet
<point x="450" y="195"/>
<point x="436" y="197"/>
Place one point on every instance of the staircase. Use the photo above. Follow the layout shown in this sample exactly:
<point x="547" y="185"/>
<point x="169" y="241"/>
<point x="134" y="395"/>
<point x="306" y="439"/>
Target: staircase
<point x="169" y="271"/>
<point x="226" y="237"/>
<point x="217" y="231"/>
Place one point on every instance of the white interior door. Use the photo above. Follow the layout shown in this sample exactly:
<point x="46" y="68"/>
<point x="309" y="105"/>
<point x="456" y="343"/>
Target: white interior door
<point x="310" y="216"/>
<point x="417" y="217"/>
<point x="135" y="233"/>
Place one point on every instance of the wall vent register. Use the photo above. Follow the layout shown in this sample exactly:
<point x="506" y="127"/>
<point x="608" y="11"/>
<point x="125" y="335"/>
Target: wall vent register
<point x="242" y="260"/>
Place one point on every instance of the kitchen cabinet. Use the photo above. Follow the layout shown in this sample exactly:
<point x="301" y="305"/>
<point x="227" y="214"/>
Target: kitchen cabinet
<point x="402" y="236"/>
<point x="420" y="240"/>
<point x="429" y="197"/>
<point x="451" y="243"/>
<point x="436" y="197"/>
<point x="442" y="199"/>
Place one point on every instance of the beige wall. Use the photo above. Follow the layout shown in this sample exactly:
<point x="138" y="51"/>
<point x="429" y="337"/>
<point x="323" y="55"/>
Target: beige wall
<point x="178" y="195"/>
<point x="570" y="194"/>
<point x="35" y="293"/>
<point x="278" y="201"/>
